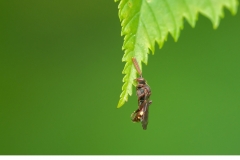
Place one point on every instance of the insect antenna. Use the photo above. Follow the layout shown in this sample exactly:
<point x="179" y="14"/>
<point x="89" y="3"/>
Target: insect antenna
<point x="135" y="63"/>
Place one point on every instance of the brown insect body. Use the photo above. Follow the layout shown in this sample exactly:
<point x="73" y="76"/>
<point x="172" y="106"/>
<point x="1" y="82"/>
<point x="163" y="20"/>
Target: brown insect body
<point x="143" y="93"/>
<point x="143" y="90"/>
<point x="141" y="114"/>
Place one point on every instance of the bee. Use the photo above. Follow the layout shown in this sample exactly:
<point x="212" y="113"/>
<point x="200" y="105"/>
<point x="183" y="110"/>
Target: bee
<point x="143" y="92"/>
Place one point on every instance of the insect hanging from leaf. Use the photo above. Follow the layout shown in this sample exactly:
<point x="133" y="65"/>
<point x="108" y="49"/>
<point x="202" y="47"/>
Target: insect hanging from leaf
<point x="143" y="93"/>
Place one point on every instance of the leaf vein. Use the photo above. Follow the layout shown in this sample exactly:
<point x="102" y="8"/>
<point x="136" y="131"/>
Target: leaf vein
<point x="130" y="37"/>
<point x="188" y="10"/>
<point x="155" y="18"/>
<point x="131" y="19"/>
<point x="146" y="31"/>
<point x="124" y="5"/>
<point x="172" y="16"/>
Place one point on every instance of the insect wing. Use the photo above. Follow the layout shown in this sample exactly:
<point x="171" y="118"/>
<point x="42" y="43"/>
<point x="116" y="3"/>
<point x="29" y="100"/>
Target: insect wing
<point x="145" y="115"/>
<point x="135" y="115"/>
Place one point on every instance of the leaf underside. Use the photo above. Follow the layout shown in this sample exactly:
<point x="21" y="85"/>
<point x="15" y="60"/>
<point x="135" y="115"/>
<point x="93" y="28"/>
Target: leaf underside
<point x="146" y="21"/>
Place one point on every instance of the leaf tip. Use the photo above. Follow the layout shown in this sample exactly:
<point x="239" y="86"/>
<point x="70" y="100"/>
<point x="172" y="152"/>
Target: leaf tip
<point x="120" y="103"/>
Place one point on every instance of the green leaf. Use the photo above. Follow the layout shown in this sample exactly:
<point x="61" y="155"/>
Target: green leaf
<point x="146" y="21"/>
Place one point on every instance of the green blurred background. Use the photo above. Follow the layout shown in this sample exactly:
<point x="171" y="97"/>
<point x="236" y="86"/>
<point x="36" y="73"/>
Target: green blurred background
<point x="60" y="68"/>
